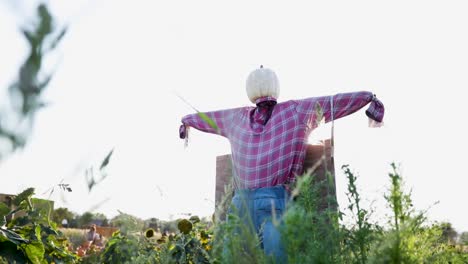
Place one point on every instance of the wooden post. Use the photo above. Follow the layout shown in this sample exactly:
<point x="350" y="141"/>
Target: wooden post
<point x="320" y="158"/>
<point x="223" y="176"/>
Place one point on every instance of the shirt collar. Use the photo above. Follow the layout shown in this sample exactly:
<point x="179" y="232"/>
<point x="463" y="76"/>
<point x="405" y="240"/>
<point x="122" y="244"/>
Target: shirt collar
<point x="265" y="99"/>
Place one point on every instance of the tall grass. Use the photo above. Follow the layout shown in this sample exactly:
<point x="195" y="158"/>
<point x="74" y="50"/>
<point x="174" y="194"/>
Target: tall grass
<point x="311" y="234"/>
<point x="358" y="236"/>
<point x="234" y="241"/>
<point x="75" y="236"/>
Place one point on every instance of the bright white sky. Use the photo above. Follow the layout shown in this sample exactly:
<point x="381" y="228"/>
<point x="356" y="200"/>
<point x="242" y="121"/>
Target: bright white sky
<point x="121" y="63"/>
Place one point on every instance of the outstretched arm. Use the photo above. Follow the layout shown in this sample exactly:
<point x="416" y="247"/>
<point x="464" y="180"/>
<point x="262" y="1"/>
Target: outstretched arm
<point x="216" y="122"/>
<point x="338" y="106"/>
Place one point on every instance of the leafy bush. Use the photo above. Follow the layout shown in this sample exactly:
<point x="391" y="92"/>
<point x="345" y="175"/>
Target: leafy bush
<point x="32" y="238"/>
<point x="409" y="239"/>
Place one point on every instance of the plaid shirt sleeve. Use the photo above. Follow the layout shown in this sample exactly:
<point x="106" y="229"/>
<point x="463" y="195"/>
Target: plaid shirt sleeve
<point x="216" y="122"/>
<point x="316" y="108"/>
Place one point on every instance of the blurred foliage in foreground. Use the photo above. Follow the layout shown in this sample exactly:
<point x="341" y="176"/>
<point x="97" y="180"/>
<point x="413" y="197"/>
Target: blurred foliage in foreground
<point x="18" y="114"/>
<point x="31" y="237"/>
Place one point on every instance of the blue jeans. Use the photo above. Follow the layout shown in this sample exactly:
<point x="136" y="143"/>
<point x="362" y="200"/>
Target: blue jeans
<point x="257" y="208"/>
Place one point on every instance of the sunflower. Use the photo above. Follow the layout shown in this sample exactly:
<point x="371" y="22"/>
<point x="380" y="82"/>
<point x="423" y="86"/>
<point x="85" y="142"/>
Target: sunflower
<point x="149" y="233"/>
<point x="185" y="226"/>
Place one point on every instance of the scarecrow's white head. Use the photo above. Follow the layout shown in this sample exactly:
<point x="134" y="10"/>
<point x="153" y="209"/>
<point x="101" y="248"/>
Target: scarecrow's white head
<point x="262" y="82"/>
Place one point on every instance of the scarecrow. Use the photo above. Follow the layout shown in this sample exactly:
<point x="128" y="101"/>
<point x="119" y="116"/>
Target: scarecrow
<point x="268" y="144"/>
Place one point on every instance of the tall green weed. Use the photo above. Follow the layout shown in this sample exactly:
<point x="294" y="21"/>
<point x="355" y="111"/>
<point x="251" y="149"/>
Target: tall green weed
<point x="311" y="234"/>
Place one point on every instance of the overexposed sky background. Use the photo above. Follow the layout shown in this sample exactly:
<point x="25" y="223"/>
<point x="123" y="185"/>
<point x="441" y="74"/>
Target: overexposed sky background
<point x="121" y="64"/>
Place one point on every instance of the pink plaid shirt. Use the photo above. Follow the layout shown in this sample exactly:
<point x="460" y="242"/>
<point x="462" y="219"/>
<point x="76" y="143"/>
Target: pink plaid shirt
<point x="268" y="142"/>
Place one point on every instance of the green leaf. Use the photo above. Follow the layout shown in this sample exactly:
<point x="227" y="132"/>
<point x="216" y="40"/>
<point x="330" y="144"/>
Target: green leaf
<point x="23" y="196"/>
<point x="4" y="210"/>
<point x="35" y="251"/>
<point x="106" y="160"/>
<point x="10" y="252"/>
<point x="37" y="232"/>
<point x="319" y="114"/>
<point x="12" y="236"/>
<point x="45" y="26"/>
<point x="49" y="230"/>
<point x="208" y="120"/>
<point x="28" y="35"/>
<point x="194" y="219"/>
<point x="56" y="41"/>
<point x="44" y="84"/>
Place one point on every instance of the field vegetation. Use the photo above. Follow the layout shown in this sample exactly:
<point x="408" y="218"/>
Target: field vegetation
<point x="311" y="234"/>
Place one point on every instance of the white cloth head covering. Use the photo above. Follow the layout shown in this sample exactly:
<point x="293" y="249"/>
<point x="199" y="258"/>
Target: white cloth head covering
<point x="262" y="82"/>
